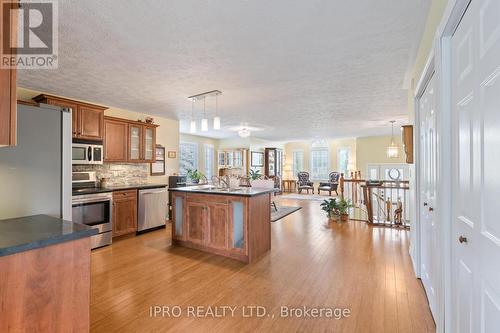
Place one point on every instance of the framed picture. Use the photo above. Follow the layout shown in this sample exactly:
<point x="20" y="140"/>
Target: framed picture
<point x="172" y="154"/>
<point x="257" y="159"/>
<point x="158" y="167"/>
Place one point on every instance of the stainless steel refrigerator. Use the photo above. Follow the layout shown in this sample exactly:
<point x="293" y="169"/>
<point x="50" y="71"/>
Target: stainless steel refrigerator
<point x="35" y="175"/>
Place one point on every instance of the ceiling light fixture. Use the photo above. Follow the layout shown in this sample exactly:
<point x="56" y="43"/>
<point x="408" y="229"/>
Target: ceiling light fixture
<point x="244" y="133"/>
<point x="192" y="128"/>
<point x="216" y="118"/>
<point x="392" y="149"/>
<point x="204" y="120"/>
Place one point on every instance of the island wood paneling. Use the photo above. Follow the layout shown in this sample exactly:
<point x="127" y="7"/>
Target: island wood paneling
<point x="209" y="225"/>
<point x="47" y="289"/>
<point x="259" y="228"/>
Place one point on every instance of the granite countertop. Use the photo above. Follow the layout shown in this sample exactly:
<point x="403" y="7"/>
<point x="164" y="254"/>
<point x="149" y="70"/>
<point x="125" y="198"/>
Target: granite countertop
<point x="37" y="231"/>
<point x="106" y="189"/>
<point x="239" y="191"/>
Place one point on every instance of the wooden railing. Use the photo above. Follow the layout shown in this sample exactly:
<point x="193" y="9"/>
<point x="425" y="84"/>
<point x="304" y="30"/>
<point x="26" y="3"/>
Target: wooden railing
<point x="350" y="189"/>
<point x="386" y="203"/>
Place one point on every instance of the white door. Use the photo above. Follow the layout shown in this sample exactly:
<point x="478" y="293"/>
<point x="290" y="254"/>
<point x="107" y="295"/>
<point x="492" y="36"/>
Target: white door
<point x="430" y="261"/>
<point x="476" y="172"/>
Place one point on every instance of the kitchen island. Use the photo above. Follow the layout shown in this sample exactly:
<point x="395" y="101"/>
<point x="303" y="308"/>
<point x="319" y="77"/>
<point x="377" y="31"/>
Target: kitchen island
<point x="44" y="275"/>
<point x="235" y="223"/>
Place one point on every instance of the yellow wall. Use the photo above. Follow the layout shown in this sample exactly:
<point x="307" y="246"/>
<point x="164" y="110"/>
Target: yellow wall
<point x="426" y="43"/>
<point x="372" y="150"/>
<point x="167" y="134"/>
<point x="202" y="141"/>
<point x="305" y="146"/>
<point x="364" y="151"/>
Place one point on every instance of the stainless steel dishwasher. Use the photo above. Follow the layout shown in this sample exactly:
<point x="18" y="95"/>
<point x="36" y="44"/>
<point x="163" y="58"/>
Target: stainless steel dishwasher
<point x="152" y="209"/>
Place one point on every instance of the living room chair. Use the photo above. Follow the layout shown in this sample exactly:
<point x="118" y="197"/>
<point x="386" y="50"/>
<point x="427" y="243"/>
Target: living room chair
<point x="331" y="185"/>
<point x="304" y="183"/>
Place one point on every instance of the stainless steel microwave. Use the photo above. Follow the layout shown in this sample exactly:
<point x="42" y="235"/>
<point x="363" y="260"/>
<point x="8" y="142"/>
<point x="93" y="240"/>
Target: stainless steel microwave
<point x="83" y="153"/>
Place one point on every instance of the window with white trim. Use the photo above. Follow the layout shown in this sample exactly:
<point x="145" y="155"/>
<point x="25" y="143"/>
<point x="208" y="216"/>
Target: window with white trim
<point x="297" y="162"/>
<point x="344" y="158"/>
<point x="319" y="160"/>
<point x="188" y="157"/>
<point x="209" y="160"/>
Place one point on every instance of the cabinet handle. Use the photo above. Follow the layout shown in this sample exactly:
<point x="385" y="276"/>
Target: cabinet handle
<point x="425" y="204"/>
<point x="462" y="239"/>
<point x="431" y="209"/>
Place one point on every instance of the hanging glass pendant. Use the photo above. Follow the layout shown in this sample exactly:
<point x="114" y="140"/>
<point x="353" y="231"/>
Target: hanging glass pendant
<point x="217" y="123"/>
<point x="392" y="149"/>
<point x="204" y="125"/>
<point x="193" y="126"/>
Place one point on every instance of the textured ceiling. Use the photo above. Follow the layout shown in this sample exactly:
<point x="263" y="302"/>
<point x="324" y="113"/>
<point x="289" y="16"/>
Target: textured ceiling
<point x="298" y="69"/>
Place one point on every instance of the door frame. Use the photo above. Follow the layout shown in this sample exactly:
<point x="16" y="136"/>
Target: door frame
<point x="439" y="64"/>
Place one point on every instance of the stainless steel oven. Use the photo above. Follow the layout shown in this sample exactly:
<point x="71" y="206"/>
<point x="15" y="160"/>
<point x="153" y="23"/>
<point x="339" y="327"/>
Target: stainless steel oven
<point x="95" y="210"/>
<point x="83" y="153"/>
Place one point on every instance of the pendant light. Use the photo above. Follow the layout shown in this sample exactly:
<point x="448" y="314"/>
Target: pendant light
<point x="204" y="120"/>
<point x="216" y="118"/>
<point x="193" y="122"/>
<point x="392" y="149"/>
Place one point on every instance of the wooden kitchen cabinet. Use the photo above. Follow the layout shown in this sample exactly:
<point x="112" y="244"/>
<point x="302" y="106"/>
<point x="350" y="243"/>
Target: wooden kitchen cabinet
<point x="149" y="143"/>
<point x="216" y="223"/>
<point x="115" y="141"/>
<point x="8" y="104"/>
<point x="135" y="142"/>
<point x="90" y="123"/>
<point x="87" y="119"/>
<point x="217" y="226"/>
<point x="129" y="141"/>
<point x="124" y="212"/>
<point x="196" y="215"/>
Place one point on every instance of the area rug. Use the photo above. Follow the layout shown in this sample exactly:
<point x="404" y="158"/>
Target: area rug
<point x="282" y="212"/>
<point x="313" y="197"/>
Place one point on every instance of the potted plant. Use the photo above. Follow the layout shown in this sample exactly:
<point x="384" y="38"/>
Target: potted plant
<point x="254" y="174"/>
<point x="195" y="176"/>
<point x="330" y="207"/>
<point x="343" y="209"/>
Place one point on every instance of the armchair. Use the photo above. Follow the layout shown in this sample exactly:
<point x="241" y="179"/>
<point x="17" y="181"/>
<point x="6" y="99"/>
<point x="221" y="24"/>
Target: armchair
<point x="331" y="185"/>
<point x="304" y="183"/>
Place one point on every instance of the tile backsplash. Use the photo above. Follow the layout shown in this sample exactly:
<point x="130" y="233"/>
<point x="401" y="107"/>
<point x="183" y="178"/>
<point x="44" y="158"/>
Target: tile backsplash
<point x="118" y="174"/>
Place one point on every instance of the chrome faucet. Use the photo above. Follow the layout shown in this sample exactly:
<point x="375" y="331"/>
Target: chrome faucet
<point x="215" y="180"/>
<point x="226" y="181"/>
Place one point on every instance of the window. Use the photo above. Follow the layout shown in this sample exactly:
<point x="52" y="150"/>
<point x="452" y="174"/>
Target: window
<point x="344" y="158"/>
<point x="188" y="157"/>
<point x="297" y="162"/>
<point x="209" y="161"/>
<point x="319" y="160"/>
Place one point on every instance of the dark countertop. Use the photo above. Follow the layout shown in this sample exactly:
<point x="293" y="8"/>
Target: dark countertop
<point x="37" y="231"/>
<point x="83" y="191"/>
<point x="240" y="191"/>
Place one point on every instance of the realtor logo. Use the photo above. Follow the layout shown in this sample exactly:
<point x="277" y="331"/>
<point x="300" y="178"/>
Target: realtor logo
<point x="29" y="34"/>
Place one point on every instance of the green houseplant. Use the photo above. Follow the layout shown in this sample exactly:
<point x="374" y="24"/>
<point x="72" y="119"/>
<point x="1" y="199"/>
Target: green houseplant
<point x="194" y="175"/>
<point x="254" y="174"/>
<point x="343" y="209"/>
<point x="330" y="207"/>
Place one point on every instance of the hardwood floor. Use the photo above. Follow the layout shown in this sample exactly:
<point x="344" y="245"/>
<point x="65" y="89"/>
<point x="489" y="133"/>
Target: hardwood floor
<point x="355" y="266"/>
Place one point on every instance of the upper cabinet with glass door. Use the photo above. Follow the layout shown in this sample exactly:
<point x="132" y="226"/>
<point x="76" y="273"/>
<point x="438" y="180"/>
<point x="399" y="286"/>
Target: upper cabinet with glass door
<point x="149" y="144"/>
<point x="136" y="139"/>
<point x="135" y="144"/>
